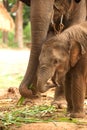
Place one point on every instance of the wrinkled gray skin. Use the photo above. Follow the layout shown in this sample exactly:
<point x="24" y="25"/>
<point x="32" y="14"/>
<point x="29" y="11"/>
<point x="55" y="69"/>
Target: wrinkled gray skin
<point x="66" y="54"/>
<point x="52" y="48"/>
<point x="48" y="63"/>
<point x="41" y="15"/>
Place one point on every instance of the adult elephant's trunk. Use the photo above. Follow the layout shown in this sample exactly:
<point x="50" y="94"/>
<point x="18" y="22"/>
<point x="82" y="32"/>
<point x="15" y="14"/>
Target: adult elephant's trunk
<point x="41" y="11"/>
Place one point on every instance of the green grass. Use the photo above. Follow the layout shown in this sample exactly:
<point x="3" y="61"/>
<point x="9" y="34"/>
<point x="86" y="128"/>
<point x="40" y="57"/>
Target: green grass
<point x="8" y="80"/>
<point x="25" y="114"/>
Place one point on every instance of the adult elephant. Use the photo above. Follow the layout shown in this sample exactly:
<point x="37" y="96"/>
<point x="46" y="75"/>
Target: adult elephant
<point x="45" y="18"/>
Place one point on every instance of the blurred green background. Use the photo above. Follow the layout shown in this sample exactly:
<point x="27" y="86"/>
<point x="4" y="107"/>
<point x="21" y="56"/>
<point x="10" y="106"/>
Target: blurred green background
<point x="13" y="59"/>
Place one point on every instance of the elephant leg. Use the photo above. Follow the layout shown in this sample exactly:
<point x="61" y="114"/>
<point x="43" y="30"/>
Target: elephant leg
<point x="59" y="98"/>
<point x="78" y="95"/>
<point x="41" y="12"/>
<point x="59" y="93"/>
<point x="68" y="92"/>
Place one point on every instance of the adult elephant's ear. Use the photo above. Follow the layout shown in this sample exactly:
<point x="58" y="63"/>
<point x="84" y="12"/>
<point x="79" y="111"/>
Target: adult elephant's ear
<point x="76" y="51"/>
<point x="77" y="1"/>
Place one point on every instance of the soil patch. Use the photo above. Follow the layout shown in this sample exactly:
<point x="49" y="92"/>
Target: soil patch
<point x="10" y="97"/>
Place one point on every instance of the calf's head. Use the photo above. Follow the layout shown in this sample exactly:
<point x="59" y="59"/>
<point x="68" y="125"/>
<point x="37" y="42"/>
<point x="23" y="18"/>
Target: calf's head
<point x="57" y="55"/>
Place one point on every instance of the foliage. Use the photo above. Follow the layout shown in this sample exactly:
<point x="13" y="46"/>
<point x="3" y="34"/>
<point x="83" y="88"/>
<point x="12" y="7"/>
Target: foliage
<point x="26" y="26"/>
<point x="26" y="37"/>
<point x="33" y="114"/>
<point x="20" y="101"/>
<point x="26" y="15"/>
<point x="11" y="42"/>
<point x="26" y="115"/>
<point x="27" y="33"/>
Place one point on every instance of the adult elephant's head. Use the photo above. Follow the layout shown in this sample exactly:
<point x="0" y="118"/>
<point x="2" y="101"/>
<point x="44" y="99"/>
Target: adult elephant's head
<point x="57" y="55"/>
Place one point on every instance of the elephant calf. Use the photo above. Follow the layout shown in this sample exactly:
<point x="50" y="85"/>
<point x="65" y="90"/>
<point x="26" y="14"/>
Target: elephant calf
<point x="67" y="53"/>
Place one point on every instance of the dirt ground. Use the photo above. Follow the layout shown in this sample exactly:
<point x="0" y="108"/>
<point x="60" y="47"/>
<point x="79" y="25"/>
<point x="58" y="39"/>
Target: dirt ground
<point x="13" y="61"/>
<point x="51" y="126"/>
<point x="10" y="98"/>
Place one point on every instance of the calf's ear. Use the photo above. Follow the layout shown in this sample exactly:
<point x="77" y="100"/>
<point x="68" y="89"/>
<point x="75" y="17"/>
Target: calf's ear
<point x="76" y="51"/>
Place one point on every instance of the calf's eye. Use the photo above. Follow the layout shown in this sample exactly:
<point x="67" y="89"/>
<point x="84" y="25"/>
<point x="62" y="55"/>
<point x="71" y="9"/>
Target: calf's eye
<point x="55" y="61"/>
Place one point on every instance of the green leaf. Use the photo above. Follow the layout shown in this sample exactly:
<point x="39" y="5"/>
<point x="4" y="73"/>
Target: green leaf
<point x="20" y="101"/>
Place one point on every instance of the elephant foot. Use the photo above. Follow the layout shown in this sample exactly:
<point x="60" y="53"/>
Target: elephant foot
<point x="69" y="109"/>
<point x="77" y="115"/>
<point x="60" y="104"/>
